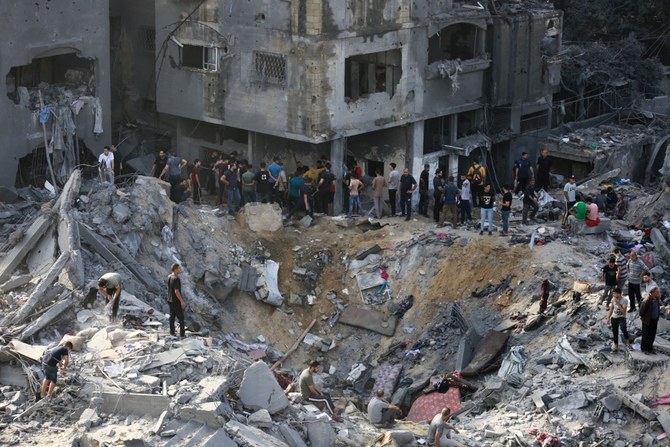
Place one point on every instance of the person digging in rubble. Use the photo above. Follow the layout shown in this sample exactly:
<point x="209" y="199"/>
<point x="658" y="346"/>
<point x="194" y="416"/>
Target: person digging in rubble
<point x="54" y="360"/>
<point x="530" y="203"/>
<point x="617" y="318"/>
<point x="109" y="285"/>
<point x="176" y="300"/>
<point x="650" y="311"/>
<point x="439" y="432"/>
<point x="380" y="412"/>
<point x="306" y="201"/>
<point x="311" y="393"/>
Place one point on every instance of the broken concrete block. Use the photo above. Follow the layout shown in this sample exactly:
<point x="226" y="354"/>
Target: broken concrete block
<point x="89" y="418"/>
<point x="306" y="221"/>
<point x="159" y="423"/>
<point x="259" y="389"/>
<point x="18" y="398"/>
<point x="612" y="403"/>
<point x="320" y="433"/>
<point x="540" y="399"/>
<point x="212" y="388"/>
<point x="184" y="397"/>
<point x="253" y="437"/>
<point x="77" y="341"/>
<point x="403" y="438"/>
<point x="574" y="401"/>
<point x="292" y="437"/>
<point x="206" y="412"/>
<point x="261" y="419"/>
<point x="261" y="217"/>
<point x="100" y="341"/>
<point x="121" y="213"/>
<point x="15" y="282"/>
<point x="346" y="222"/>
<point x="220" y="439"/>
<point x="134" y="403"/>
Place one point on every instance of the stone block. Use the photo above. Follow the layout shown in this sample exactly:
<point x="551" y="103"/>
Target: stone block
<point x="220" y="439"/>
<point x="134" y="403"/>
<point x="261" y="217"/>
<point x="259" y="389"/>
<point x="89" y="418"/>
<point x="403" y="438"/>
<point x="121" y="213"/>
<point x="574" y="401"/>
<point x="612" y="403"/>
<point x="206" y="412"/>
<point x="291" y="436"/>
<point x="253" y="437"/>
<point x="261" y="419"/>
<point x="306" y="221"/>
<point x="320" y="433"/>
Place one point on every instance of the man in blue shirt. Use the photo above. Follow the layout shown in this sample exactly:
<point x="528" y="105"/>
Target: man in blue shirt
<point x="523" y="172"/>
<point x="275" y="170"/>
<point x="407" y="187"/>
<point x="450" y="195"/>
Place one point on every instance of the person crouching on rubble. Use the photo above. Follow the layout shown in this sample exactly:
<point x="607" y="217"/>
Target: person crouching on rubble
<point x="617" y="317"/>
<point x="439" y="433"/>
<point x="109" y="286"/>
<point x="311" y="393"/>
<point x="54" y="360"/>
<point x="380" y="412"/>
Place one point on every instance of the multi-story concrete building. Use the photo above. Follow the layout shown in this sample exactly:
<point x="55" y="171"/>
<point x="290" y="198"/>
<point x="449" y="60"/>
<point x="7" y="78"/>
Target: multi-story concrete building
<point x="55" y="60"/>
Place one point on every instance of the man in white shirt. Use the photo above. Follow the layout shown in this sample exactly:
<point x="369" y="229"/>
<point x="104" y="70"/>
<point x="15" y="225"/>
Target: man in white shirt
<point x="106" y="165"/>
<point x="570" y="193"/>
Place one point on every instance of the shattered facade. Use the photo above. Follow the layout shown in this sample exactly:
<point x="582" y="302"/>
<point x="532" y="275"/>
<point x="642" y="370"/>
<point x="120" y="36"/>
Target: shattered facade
<point x="44" y="54"/>
<point x="376" y="82"/>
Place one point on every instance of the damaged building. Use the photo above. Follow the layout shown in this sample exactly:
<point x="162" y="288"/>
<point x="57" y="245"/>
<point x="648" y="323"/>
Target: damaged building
<point x="57" y="88"/>
<point x="375" y="82"/>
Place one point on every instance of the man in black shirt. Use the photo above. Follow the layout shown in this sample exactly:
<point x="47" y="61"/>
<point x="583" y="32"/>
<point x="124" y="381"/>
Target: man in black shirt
<point x="423" y="191"/>
<point x="506" y="209"/>
<point x="326" y="179"/>
<point x="263" y="185"/>
<point x="232" y="181"/>
<point x="407" y="187"/>
<point x="529" y="202"/>
<point x="176" y="300"/>
<point x="609" y="276"/>
<point x="55" y="359"/>
<point x="159" y="164"/>
<point x="543" y="167"/>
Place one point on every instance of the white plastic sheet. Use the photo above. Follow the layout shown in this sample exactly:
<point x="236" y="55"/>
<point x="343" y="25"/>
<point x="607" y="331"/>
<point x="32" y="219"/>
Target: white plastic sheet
<point x="513" y="363"/>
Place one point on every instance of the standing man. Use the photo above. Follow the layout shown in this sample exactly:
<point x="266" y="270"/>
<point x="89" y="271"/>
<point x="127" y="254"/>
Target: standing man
<point x="635" y="269"/>
<point x="109" y="286"/>
<point x="378" y="184"/>
<point x="248" y="186"/>
<point x="221" y="167"/>
<point x="355" y="187"/>
<point x="159" y="165"/>
<point x="263" y="184"/>
<point x="232" y="182"/>
<point x="281" y="186"/>
<point x="477" y="176"/>
<point x="439" y="432"/>
<point x="506" y="209"/>
<point x="523" y="173"/>
<point x="176" y="300"/>
<point x="647" y="284"/>
<point x="466" y="199"/>
<point x="173" y="168"/>
<point x="380" y="412"/>
<point x="451" y="194"/>
<point x="487" y="201"/>
<point x="622" y="271"/>
<point x="438" y="190"/>
<point x="311" y="393"/>
<point x="423" y="191"/>
<point x="326" y="179"/>
<point x="529" y="202"/>
<point x="274" y="169"/>
<point x="54" y="360"/>
<point x="195" y="181"/>
<point x="106" y="165"/>
<point x="570" y="193"/>
<point x="393" y="184"/>
<point x="407" y="187"/>
<point x="617" y="318"/>
<point x="306" y="201"/>
<point x="608" y="276"/>
<point x="650" y="311"/>
<point x="544" y="163"/>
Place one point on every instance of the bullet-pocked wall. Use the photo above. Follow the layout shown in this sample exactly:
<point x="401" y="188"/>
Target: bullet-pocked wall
<point x="66" y="45"/>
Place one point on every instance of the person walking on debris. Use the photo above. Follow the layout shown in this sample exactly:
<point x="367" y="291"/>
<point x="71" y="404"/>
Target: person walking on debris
<point x="635" y="269"/>
<point x="544" y="163"/>
<point x="506" y="209"/>
<point x="466" y="198"/>
<point x="407" y="187"/>
<point x="487" y="200"/>
<point x="617" y="318"/>
<point x="423" y="191"/>
<point x="54" y="360"/>
<point x="176" y="300"/>
<point x="311" y="393"/>
<point x="438" y="190"/>
<point x="439" y="432"/>
<point x="570" y="193"/>
<point x="529" y="202"/>
<point x="477" y="176"/>
<point x="523" y="173"/>
<point x="609" y="277"/>
<point x="172" y="169"/>
<point x="393" y="184"/>
<point x="622" y="272"/>
<point x="109" y="286"/>
<point x="450" y="195"/>
<point x="380" y="412"/>
<point x="106" y="165"/>
<point x="650" y="311"/>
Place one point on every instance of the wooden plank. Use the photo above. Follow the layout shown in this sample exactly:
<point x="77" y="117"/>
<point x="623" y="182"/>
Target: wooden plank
<point x="295" y="345"/>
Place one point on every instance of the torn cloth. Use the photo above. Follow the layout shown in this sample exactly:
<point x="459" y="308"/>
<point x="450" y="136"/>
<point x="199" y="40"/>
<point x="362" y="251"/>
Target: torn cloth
<point x="662" y="400"/>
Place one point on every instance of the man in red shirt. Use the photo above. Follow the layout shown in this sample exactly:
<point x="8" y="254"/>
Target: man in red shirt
<point x="195" y="181"/>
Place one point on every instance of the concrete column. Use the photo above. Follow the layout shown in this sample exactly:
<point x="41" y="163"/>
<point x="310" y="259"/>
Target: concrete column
<point x="250" y="147"/>
<point x="453" y="166"/>
<point x="415" y="157"/>
<point x="452" y="169"/>
<point x="337" y="153"/>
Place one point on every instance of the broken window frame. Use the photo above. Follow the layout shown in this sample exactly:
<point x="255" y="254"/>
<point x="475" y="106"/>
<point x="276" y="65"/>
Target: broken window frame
<point x="209" y="61"/>
<point x="475" y="46"/>
<point x="365" y="76"/>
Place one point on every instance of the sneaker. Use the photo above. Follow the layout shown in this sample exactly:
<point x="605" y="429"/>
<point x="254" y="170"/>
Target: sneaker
<point x="481" y="232"/>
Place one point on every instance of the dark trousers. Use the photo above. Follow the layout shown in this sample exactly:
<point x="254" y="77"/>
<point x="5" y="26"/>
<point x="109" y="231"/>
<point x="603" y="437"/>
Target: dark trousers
<point x="423" y="202"/>
<point x="528" y="207"/>
<point x="300" y="206"/>
<point x="324" y="199"/>
<point x="542" y="181"/>
<point x="196" y="195"/>
<point x="521" y="184"/>
<point x="616" y="324"/>
<point x="648" y="335"/>
<point x="406" y="204"/>
<point x="115" y="305"/>
<point x="634" y="295"/>
<point x="177" y="312"/>
<point x="437" y="207"/>
<point x="323" y="400"/>
<point x="222" y="188"/>
<point x="476" y="193"/>
<point x="393" y="200"/>
<point x="466" y="211"/>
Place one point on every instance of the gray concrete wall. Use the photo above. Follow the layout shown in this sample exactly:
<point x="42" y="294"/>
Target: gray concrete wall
<point x="42" y="28"/>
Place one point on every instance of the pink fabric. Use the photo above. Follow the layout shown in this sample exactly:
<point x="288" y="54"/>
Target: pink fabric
<point x="427" y="406"/>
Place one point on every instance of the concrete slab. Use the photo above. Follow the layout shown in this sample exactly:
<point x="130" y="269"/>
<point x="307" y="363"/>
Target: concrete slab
<point x="16" y="255"/>
<point x="14" y="283"/>
<point x="253" y="437"/>
<point x="220" y="439"/>
<point x="320" y="433"/>
<point x="32" y="352"/>
<point x="206" y="412"/>
<point x="42" y="255"/>
<point x="370" y="319"/>
<point x="466" y="348"/>
<point x="166" y="358"/>
<point x="292" y="437"/>
<point x="260" y="419"/>
<point x="200" y="437"/>
<point x="134" y="403"/>
<point x="635" y="404"/>
<point x="260" y="390"/>
<point x="12" y="376"/>
<point x="664" y="419"/>
<point x="212" y="388"/>
<point x="183" y="433"/>
<point x="640" y="358"/>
